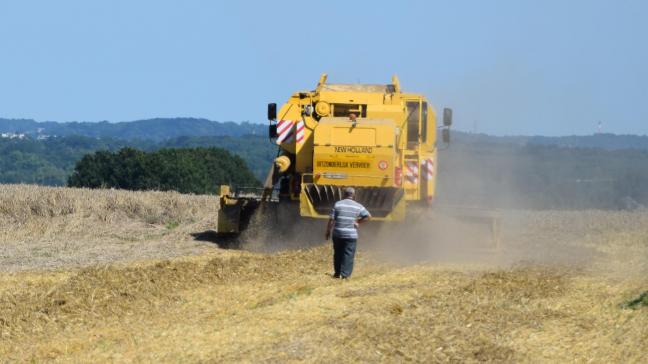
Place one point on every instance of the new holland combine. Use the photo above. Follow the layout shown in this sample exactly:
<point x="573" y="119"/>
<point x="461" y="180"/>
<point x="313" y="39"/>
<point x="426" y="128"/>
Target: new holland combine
<point x="376" y="138"/>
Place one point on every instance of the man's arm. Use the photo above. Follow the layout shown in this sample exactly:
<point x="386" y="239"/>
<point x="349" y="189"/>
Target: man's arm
<point x="364" y="217"/>
<point x="329" y="227"/>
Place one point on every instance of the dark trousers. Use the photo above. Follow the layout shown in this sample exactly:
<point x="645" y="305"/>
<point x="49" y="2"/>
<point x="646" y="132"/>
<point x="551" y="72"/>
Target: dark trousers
<point x="343" y="253"/>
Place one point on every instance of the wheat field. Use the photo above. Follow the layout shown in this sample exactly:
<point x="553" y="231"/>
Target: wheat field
<point x="116" y="276"/>
<point x="47" y="227"/>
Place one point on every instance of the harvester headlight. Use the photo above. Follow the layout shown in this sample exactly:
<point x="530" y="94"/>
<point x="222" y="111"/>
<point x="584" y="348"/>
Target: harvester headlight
<point x="282" y="163"/>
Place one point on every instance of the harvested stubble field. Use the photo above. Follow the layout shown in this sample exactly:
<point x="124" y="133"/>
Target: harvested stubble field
<point x="95" y="276"/>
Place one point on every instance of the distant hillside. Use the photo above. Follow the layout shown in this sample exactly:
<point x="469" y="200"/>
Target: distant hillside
<point x="476" y="173"/>
<point x="152" y="129"/>
<point x="602" y="141"/>
<point x="50" y="161"/>
<point x="542" y="177"/>
<point x="597" y="171"/>
<point x="162" y="129"/>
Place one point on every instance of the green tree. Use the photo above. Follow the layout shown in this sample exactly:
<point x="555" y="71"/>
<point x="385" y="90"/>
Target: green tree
<point x="191" y="170"/>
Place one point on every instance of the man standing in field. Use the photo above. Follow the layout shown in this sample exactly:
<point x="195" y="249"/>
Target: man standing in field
<point x="345" y="217"/>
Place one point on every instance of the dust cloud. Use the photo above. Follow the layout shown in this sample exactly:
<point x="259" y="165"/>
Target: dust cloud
<point x="278" y="227"/>
<point x="492" y="238"/>
<point x="485" y="213"/>
<point x="481" y="237"/>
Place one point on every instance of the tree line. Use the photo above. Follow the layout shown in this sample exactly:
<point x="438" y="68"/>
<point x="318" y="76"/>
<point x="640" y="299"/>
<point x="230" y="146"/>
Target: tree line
<point x="188" y="170"/>
<point x="481" y="172"/>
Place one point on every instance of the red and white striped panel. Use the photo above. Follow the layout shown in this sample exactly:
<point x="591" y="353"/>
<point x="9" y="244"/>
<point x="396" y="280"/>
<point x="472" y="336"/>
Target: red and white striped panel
<point x="300" y="131"/>
<point x="411" y="171"/>
<point x="428" y="167"/>
<point x="285" y="131"/>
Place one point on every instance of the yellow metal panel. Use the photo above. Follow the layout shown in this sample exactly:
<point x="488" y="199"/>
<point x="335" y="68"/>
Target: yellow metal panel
<point x="351" y="97"/>
<point x="411" y="191"/>
<point x="380" y="111"/>
<point x="355" y="136"/>
<point x="363" y="155"/>
<point x="306" y="208"/>
<point x="431" y="128"/>
<point x="355" y="166"/>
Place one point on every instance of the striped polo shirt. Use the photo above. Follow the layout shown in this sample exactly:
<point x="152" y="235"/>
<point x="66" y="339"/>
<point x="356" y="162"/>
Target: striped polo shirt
<point x="345" y="213"/>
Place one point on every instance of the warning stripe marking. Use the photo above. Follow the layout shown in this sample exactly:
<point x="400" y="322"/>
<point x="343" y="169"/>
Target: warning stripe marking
<point x="429" y="168"/>
<point x="285" y="130"/>
<point x="412" y="171"/>
<point x="300" y="131"/>
<point x="283" y="125"/>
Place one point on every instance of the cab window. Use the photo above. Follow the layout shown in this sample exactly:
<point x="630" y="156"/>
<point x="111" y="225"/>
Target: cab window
<point x="413" y="122"/>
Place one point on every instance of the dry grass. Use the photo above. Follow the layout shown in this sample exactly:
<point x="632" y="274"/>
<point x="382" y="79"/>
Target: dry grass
<point x="45" y="227"/>
<point x="238" y="306"/>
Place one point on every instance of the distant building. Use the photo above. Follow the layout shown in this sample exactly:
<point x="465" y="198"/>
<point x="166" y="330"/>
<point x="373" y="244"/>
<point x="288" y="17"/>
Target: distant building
<point x="13" y="135"/>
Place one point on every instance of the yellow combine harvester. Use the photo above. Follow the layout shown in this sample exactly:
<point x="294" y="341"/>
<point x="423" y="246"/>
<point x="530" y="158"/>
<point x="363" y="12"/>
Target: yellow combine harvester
<point x="376" y="138"/>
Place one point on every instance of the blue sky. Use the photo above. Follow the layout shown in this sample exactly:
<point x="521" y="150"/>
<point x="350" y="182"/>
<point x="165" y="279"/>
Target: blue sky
<point x="505" y="67"/>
